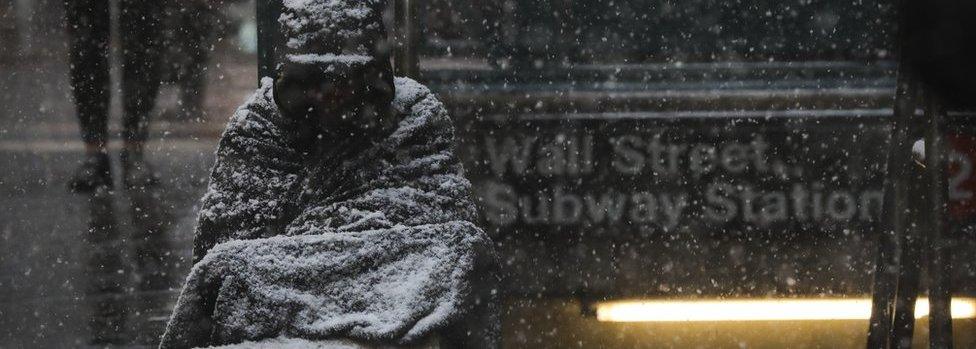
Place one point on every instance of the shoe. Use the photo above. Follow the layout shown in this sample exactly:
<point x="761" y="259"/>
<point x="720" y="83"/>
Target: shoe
<point x="94" y="173"/>
<point x="136" y="172"/>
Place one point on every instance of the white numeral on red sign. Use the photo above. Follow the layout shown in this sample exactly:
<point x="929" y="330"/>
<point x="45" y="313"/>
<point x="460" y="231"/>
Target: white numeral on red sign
<point x="956" y="190"/>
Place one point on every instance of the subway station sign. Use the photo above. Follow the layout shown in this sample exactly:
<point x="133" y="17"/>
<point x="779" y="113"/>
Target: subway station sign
<point x="746" y="205"/>
<point x="805" y="174"/>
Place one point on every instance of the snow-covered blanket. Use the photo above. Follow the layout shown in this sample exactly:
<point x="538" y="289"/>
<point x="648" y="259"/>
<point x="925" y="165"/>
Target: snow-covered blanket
<point x="366" y="240"/>
<point x="298" y="343"/>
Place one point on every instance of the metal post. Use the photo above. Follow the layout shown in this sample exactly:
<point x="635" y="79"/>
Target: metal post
<point x="940" y="317"/>
<point x="267" y="12"/>
<point x="895" y="219"/>
<point x="910" y="261"/>
<point x="406" y="61"/>
<point x="896" y="200"/>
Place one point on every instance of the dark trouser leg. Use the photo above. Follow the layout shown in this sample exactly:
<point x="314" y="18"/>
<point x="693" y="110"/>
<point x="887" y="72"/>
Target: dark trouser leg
<point x="139" y="26"/>
<point x="88" y="32"/>
<point x="196" y="39"/>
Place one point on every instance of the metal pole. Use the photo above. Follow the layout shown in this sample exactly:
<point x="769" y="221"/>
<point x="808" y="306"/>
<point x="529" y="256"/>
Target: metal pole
<point x="896" y="198"/>
<point x="895" y="219"/>
<point x="940" y="317"/>
<point x="267" y="12"/>
<point x="406" y="61"/>
<point x="909" y="270"/>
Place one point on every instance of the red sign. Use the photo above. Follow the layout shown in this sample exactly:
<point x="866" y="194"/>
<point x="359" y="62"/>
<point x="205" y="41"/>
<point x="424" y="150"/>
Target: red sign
<point x="962" y="183"/>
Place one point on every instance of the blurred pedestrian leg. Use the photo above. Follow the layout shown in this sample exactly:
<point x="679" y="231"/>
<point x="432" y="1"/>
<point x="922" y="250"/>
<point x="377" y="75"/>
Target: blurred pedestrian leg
<point x="88" y="31"/>
<point x="139" y="26"/>
<point x="88" y="24"/>
<point x="189" y="35"/>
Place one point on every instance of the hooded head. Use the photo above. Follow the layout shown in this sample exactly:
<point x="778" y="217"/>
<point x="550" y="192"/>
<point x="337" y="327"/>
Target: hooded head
<point x="334" y="69"/>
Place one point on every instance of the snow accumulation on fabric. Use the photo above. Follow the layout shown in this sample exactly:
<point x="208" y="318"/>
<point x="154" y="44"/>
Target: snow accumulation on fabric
<point x="291" y="343"/>
<point x="306" y="21"/>
<point x="297" y="343"/>
<point x="329" y="58"/>
<point x="369" y="243"/>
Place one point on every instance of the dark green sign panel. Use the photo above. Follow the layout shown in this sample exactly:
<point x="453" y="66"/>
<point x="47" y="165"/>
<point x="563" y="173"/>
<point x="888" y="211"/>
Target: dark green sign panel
<point x="637" y="177"/>
<point x="671" y="204"/>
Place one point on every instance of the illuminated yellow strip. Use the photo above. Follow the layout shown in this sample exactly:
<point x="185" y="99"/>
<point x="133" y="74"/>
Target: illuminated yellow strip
<point x="758" y="310"/>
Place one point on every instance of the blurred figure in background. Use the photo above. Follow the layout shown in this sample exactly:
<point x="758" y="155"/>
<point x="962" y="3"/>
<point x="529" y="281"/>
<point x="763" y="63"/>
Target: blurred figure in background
<point x="191" y="26"/>
<point x="88" y="26"/>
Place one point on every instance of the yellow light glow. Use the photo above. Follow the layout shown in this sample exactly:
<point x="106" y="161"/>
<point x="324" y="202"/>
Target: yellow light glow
<point x="758" y="310"/>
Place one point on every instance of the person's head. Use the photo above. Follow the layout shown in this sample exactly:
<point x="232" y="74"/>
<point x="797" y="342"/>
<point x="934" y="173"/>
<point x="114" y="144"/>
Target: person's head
<point x="337" y="93"/>
<point x="334" y="70"/>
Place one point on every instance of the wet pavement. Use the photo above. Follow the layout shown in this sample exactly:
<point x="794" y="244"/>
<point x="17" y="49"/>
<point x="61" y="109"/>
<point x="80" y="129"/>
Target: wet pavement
<point x="98" y="270"/>
<point x="101" y="268"/>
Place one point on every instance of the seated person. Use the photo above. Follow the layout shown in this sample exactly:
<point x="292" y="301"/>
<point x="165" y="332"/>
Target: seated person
<point x="337" y="210"/>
